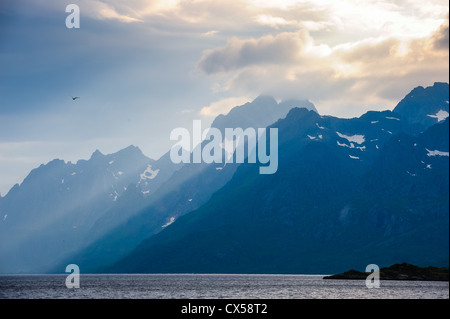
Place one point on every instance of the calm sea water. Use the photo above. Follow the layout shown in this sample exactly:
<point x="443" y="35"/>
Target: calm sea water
<point x="213" y="287"/>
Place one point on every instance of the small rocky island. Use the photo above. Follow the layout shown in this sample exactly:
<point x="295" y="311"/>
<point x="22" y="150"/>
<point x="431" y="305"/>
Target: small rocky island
<point x="399" y="272"/>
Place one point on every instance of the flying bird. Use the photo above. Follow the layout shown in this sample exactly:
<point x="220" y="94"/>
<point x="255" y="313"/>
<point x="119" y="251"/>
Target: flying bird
<point x="74" y="98"/>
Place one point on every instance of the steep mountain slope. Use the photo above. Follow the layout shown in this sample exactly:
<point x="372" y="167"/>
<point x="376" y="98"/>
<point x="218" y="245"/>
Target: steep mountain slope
<point x="185" y="191"/>
<point x="262" y="112"/>
<point x="53" y="211"/>
<point x="426" y="106"/>
<point x="347" y="193"/>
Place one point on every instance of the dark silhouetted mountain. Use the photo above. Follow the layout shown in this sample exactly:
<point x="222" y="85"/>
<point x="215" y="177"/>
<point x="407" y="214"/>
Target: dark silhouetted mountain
<point x="426" y="106"/>
<point x="348" y="193"/>
<point x="187" y="190"/>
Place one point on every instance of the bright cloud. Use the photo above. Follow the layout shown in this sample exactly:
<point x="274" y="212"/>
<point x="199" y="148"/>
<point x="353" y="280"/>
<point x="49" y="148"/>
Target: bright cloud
<point x="209" y="33"/>
<point x="368" y="71"/>
<point x="282" y="48"/>
<point x="275" y="22"/>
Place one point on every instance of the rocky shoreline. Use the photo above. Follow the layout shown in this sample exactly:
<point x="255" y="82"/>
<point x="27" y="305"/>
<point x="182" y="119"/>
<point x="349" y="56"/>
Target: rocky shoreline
<point x="399" y="272"/>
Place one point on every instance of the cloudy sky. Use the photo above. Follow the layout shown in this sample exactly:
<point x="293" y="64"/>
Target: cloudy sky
<point x="145" y="67"/>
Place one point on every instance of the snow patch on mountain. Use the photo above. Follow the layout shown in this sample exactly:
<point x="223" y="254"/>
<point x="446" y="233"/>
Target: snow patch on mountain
<point x="358" y="139"/>
<point x="320" y="127"/>
<point x="363" y="148"/>
<point x="436" y="153"/>
<point x="442" y="115"/>
<point x="114" y="195"/>
<point x="149" y="173"/>
<point x="170" y="222"/>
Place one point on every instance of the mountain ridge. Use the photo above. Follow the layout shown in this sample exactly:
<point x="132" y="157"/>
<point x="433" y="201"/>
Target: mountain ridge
<point x="185" y="191"/>
<point x="54" y="207"/>
<point x="291" y="228"/>
<point x="326" y="165"/>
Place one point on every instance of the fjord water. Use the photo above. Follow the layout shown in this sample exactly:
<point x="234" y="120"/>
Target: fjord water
<point x="193" y="286"/>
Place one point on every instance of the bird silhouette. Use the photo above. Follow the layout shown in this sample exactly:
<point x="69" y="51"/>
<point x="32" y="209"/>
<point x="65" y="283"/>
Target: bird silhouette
<point x="74" y="98"/>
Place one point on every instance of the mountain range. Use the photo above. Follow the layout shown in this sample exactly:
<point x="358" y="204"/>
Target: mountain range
<point x="64" y="208"/>
<point x="347" y="193"/>
<point x="57" y="207"/>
